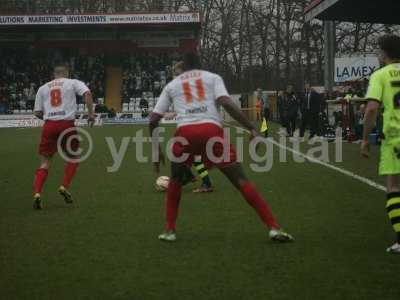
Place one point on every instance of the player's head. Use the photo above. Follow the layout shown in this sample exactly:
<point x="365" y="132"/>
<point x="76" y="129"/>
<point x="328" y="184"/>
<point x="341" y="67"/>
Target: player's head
<point x="61" y="70"/>
<point x="178" y="68"/>
<point x="307" y="86"/>
<point x="389" y="46"/>
<point x="191" y="61"/>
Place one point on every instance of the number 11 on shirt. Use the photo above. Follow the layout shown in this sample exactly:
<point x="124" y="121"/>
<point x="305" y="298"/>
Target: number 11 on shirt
<point x="55" y="97"/>
<point x="201" y="95"/>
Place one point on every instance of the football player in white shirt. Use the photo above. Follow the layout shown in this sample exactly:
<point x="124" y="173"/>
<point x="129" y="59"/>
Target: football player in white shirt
<point x="206" y="185"/>
<point x="56" y="105"/>
<point x="195" y="95"/>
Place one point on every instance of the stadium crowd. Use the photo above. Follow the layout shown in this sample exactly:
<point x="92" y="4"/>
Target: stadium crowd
<point x="144" y="76"/>
<point x="24" y="71"/>
<point x="145" y="73"/>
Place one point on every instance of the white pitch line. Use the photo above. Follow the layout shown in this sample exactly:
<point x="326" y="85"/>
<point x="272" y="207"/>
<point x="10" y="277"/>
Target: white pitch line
<point x="327" y="165"/>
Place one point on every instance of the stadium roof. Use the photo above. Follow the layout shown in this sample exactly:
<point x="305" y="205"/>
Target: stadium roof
<point x="382" y="11"/>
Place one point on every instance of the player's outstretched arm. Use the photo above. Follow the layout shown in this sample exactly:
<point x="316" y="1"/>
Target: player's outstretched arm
<point x="39" y="107"/>
<point x="154" y="122"/>
<point x="89" y="103"/>
<point x="234" y="111"/>
<point x="371" y="113"/>
<point x="153" y="125"/>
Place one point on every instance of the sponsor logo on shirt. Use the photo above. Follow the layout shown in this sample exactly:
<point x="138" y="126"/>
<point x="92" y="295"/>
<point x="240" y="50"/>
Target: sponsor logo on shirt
<point x="57" y="113"/>
<point x="197" y="110"/>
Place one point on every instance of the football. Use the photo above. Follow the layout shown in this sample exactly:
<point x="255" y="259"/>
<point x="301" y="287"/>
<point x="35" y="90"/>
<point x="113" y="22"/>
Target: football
<point x="162" y="183"/>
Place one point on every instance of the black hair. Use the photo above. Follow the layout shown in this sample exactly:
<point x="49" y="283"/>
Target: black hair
<point x="390" y="44"/>
<point x="62" y="64"/>
<point x="191" y="61"/>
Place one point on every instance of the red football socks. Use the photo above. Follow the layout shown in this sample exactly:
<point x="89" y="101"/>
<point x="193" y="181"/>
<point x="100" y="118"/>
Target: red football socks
<point x="40" y="179"/>
<point x="172" y="203"/>
<point x="256" y="201"/>
<point x="69" y="173"/>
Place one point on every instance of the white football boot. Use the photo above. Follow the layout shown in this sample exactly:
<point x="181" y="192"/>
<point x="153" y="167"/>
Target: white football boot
<point x="168" y="236"/>
<point x="395" y="249"/>
<point x="279" y="235"/>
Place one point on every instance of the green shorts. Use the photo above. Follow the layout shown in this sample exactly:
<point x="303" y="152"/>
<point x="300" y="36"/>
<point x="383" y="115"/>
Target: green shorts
<point x="390" y="159"/>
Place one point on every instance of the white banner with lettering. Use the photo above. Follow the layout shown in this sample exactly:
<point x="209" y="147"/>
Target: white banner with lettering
<point x="30" y="121"/>
<point x="355" y="67"/>
<point x="164" y="18"/>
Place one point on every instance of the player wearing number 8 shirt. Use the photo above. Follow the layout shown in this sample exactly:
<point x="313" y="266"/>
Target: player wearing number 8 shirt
<point x="56" y="105"/>
<point x="384" y="90"/>
<point x="195" y="95"/>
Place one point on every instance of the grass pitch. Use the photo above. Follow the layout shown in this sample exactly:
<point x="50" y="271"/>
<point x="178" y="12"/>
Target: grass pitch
<point x="106" y="247"/>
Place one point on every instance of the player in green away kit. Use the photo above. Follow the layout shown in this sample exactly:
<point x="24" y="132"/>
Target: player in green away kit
<point x="384" y="90"/>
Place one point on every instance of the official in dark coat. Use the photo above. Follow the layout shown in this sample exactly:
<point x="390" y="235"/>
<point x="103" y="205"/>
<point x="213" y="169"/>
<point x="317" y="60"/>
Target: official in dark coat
<point x="310" y="110"/>
<point x="291" y="108"/>
<point x="281" y="111"/>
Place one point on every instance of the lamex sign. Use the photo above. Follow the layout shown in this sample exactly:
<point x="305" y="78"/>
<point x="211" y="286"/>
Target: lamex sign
<point x="164" y="18"/>
<point x="355" y="67"/>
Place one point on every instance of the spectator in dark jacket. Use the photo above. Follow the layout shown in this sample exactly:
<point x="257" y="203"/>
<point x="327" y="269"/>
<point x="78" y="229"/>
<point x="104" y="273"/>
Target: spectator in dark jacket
<point x="359" y="128"/>
<point x="310" y="109"/>
<point x="290" y="110"/>
<point x="144" y="106"/>
<point x="281" y="111"/>
<point x="3" y="105"/>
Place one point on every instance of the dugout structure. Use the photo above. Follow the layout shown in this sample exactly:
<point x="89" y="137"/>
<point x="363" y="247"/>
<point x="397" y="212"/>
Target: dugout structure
<point x="382" y="11"/>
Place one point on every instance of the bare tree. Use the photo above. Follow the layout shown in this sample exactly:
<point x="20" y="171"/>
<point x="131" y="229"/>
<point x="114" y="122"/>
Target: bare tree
<point x="267" y="43"/>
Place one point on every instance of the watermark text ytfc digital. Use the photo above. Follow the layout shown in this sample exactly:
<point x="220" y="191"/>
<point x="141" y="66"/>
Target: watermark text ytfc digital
<point x="263" y="152"/>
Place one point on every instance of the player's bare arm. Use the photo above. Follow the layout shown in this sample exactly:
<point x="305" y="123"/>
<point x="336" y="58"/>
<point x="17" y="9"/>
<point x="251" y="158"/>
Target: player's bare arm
<point x="170" y="115"/>
<point x="89" y="103"/>
<point x="38" y="114"/>
<point x="234" y="111"/>
<point x="369" y="124"/>
<point x="153" y="125"/>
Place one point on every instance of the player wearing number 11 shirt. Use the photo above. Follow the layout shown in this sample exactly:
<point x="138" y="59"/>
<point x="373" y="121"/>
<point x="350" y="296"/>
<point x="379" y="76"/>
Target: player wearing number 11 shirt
<point x="56" y="105"/>
<point x="195" y="95"/>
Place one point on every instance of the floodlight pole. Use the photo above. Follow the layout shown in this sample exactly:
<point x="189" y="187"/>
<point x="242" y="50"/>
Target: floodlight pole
<point x="329" y="48"/>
